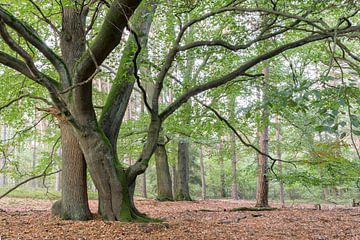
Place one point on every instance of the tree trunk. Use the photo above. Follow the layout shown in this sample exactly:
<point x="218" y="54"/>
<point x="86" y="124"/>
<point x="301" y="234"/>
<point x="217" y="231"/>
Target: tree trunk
<point x="143" y="186"/>
<point x="74" y="199"/>
<point x="182" y="189"/>
<point x="164" y="190"/>
<point x="174" y="179"/>
<point x="222" y="170"/>
<point x="2" y="158"/>
<point x="202" y="172"/>
<point x="262" y="186"/>
<point x="234" y="186"/>
<point x="278" y="156"/>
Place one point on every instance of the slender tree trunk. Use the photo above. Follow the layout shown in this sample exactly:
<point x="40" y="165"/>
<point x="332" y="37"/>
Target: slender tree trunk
<point x="2" y="158"/>
<point x="202" y="172"/>
<point x="222" y="170"/>
<point x="174" y="179"/>
<point x="34" y="182"/>
<point x="182" y="189"/>
<point x="143" y="186"/>
<point x="164" y="191"/>
<point x="278" y="156"/>
<point x="234" y="186"/>
<point x="262" y="186"/>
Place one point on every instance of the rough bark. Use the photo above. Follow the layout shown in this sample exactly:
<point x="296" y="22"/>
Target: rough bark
<point x="182" y="189"/>
<point x="202" y="172"/>
<point x="74" y="200"/>
<point x="163" y="178"/>
<point x="262" y="185"/>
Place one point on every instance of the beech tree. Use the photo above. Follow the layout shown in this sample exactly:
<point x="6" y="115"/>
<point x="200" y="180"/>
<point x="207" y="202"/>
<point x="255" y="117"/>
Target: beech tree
<point x="90" y="141"/>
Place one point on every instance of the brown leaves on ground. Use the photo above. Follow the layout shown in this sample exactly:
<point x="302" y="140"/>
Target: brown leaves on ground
<point x="211" y="219"/>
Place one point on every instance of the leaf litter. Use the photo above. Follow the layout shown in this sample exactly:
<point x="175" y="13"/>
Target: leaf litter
<point x="209" y="219"/>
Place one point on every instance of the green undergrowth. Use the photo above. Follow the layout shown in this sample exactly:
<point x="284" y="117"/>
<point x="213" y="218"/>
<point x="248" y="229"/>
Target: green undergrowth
<point x="37" y="193"/>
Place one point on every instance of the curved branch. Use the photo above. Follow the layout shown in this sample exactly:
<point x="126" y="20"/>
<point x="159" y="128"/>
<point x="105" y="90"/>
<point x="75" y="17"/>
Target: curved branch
<point x="30" y="35"/>
<point x="246" y="66"/>
<point x="28" y="180"/>
<point x="21" y="97"/>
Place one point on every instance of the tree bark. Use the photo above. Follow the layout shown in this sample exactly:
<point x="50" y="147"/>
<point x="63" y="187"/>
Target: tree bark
<point x="182" y="189"/>
<point x="74" y="200"/>
<point x="262" y="186"/>
<point x="164" y="190"/>
<point x="202" y="172"/>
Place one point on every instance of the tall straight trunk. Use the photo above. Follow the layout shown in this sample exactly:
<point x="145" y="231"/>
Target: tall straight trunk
<point x="234" y="186"/>
<point x="2" y="158"/>
<point x="262" y="186"/>
<point x="34" y="182"/>
<point x="202" y="173"/>
<point x="182" y="189"/>
<point x="222" y="170"/>
<point x="174" y="180"/>
<point x="278" y="156"/>
<point x="164" y="191"/>
<point x="143" y="186"/>
<point x="74" y="199"/>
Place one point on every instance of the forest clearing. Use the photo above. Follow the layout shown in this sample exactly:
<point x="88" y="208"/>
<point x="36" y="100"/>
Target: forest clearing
<point x="209" y="219"/>
<point x="179" y="119"/>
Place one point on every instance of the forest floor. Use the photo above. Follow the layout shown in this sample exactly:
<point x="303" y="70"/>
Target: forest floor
<point x="211" y="219"/>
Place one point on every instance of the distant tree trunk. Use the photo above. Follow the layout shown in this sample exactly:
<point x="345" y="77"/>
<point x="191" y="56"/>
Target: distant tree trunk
<point x="278" y="156"/>
<point x="2" y="158"/>
<point x="182" y="189"/>
<point x="164" y="185"/>
<point x="34" y="183"/>
<point x="202" y="172"/>
<point x="143" y="186"/>
<point x="262" y="186"/>
<point x="74" y="200"/>
<point x="174" y="179"/>
<point x="234" y="186"/>
<point x="222" y="170"/>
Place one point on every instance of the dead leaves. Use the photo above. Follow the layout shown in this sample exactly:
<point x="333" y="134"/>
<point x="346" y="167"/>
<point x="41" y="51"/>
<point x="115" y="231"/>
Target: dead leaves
<point x="31" y="219"/>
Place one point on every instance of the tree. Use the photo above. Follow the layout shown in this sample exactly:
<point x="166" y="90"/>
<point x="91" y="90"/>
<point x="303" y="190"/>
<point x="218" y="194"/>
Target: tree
<point x="69" y="84"/>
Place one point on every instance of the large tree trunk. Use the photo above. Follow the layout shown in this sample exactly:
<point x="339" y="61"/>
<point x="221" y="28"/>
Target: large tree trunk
<point x="262" y="186"/>
<point x="202" y="172"/>
<point x="74" y="200"/>
<point x="182" y="189"/>
<point x="164" y="190"/>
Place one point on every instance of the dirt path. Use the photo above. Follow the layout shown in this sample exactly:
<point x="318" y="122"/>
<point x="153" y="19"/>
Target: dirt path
<point x="31" y="219"/>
